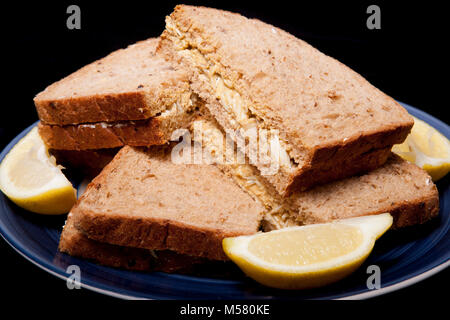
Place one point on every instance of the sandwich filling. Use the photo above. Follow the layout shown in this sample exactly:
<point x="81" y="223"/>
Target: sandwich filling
<point x="240" y="114"/>
<point x="278" y="212"/>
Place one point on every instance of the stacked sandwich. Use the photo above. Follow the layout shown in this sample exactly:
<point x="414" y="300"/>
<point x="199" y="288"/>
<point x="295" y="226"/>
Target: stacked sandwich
<point x="131" y="97"/>
<point x="215" y="72"/>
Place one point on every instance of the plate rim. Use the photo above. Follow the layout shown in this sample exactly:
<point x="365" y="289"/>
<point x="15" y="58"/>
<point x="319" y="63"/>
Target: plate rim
<point x="96" y="287"/>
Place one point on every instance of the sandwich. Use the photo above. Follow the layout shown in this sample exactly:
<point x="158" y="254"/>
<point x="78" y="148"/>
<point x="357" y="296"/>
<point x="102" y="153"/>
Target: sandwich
<point x="142" y="199"/>
<point x="131" y="97"/>
<point x="329" y="121"/>
<point x="398" y="187"/>
<point x="169" y="215"/>
<point x="145" y="211"/>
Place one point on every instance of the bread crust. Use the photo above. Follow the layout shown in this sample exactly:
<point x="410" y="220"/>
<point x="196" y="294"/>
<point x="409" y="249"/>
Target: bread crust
<point x="417" y="212"/>
<point x="153" y="131"/>
<point x="95" y="136"/>
<point x="102" y="107"/>
<point x="152" y="234"/>
<point x="75" y="243"/>
<point x="336" y="168"/>
<point x="405" y="213"/>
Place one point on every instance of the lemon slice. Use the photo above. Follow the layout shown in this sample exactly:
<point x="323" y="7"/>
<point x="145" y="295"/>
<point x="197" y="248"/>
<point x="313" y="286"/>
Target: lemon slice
<point x="30" y="177"/>
<point x="307" y="256"/>
<point x="427" y="148"/>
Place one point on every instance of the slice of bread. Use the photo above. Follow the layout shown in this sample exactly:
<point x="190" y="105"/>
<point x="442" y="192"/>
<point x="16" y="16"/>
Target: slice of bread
<point x="254" y="75"/>
<point x="142" y="199"/>
<point x="398" y="187"/>
<point x="129" y="84"/>
<point x="153" y="131"/>
<point x="75" y="243"/>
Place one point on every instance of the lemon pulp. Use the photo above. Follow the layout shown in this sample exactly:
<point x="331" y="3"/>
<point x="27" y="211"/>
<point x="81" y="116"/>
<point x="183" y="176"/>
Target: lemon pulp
<point x="427" y="148"/>
<point x="304" y="247"/>
<point x="30" y="177"/>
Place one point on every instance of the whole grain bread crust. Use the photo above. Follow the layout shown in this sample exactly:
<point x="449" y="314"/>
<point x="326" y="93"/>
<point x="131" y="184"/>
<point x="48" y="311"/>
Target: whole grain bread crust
<point x="95" y="136"/>
<point x="139" y="133"/>
<point x="337" y="168"/>
<point x="405" y="213"/>
<point x="417" y="212"/>
<point x="153" y="235"/>
<point x="75" y="243"/>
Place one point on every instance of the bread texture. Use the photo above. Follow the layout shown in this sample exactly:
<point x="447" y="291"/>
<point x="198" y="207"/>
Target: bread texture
<point x="142" y="199"/>
<point x="252" y="74"/>
<point x="129" y="84"/>
<point x="75" y="243"/>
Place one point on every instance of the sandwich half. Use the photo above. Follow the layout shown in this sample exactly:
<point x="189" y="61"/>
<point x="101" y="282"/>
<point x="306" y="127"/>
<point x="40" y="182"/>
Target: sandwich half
<point x="132" y="225"/>
<point x="144" y="200"/>
<point x="329" y="121"/>
<point x="131" y="97"/>
<point x="398" y="187"/>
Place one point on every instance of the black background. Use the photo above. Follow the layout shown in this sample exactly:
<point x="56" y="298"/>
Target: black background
<point x="407" y="59"/>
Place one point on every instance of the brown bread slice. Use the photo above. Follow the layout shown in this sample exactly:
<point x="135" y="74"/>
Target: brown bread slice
<point x="252" y="74"/>
<point x="75" y="243"/>
<point x="142" y="199"/>
<point x="129" y="84"/>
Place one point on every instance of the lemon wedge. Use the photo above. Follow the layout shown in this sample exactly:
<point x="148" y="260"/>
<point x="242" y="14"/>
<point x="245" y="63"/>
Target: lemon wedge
<point x="307" y="256"/>
<point x="427" y="148"/>
<point x="30" y="177"/>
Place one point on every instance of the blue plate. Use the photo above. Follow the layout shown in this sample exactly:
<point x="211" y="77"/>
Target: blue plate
<point x="404" y="257"/>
